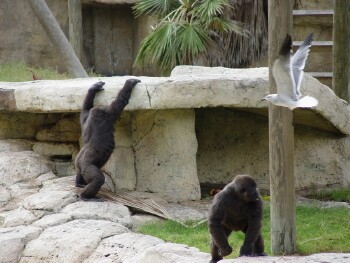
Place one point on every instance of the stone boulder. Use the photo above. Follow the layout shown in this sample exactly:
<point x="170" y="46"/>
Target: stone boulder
<point x="50" y="201"/>
<point x="17" y="217"/>
<point x="70" y="242"/>
<point x="17" y="167"/>
<point x="121" y="248"/>
<point x="163" y="164"/>
<point x="113" y="212"/>
<point x="170" y="253"/>
<point x="14" y="239"/>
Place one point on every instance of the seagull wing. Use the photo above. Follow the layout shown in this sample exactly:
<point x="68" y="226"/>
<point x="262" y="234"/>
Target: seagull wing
<point x="282" y="71"/>
<point x="298" y="62"/>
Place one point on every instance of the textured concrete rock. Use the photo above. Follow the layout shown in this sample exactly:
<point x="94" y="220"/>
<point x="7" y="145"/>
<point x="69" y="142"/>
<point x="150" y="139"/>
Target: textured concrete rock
<point x="5" y="195"/>
<point x="317" y="258"/>
<point x="21" y="166"/>
<point x="120" y="248"/>
<point x="51" y="201"/>
<point x="17" y="217"/>
<point x="65" y="130"/>
<point x="52" y="220"/>
<point x="121" y="165"/>
<point x="15" y="145"/>
<point x="13" y="241"/>
<point x="109" y="211"/>
<point x="165" y="148"/>
<point x="48" y="149"/>
<point x="187" y="87"/>
<point x="66" y="183"/>
<point x="70" y="242"/>
<point x="20" y="125"/>
<point x="170" y="253"/>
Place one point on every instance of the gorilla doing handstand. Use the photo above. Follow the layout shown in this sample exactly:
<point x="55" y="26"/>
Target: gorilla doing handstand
<point x="97" y="124"/>
<point x="238" y="207"/>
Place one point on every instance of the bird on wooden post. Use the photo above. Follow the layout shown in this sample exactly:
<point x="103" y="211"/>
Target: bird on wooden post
<point x="288" y="72"/>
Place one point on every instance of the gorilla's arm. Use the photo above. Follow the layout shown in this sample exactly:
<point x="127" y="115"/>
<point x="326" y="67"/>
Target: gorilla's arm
<point x="254" y="228"/>
<point x="117" y="106"/>
<point x="216" y="216"/>
<point x="89" y="101"/>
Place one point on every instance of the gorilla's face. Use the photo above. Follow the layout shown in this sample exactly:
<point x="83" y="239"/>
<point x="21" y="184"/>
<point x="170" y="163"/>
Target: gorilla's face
<point x="250" y="194"/>
<point x="247" y="189"/>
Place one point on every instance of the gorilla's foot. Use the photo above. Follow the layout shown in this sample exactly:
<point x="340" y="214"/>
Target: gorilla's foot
<point x="92" y="199"/>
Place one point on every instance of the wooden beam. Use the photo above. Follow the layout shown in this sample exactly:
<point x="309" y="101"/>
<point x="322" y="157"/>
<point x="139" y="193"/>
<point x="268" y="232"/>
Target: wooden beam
<point x="281" y="141"/>
<point x="341" y="49"/>
<point x="76" y="26"/>
<point x="58" y="39"/>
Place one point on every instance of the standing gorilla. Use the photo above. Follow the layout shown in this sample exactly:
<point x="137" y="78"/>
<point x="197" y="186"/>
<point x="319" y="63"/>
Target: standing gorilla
<point x="97" y="125"/>
<point x="237" y="207"/>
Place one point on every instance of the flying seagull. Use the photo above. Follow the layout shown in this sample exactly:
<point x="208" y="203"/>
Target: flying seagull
<point x="288" y="73"/>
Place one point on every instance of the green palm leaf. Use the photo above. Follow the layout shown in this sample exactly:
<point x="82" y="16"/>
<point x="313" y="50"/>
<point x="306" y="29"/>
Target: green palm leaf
<point x="154" y="7"/>
<point x="191" y="40"/>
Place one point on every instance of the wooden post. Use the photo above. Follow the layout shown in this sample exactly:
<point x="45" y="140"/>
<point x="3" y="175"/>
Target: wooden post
<point x="341" y="49"/>
<point x="58" y="39"/>
<point x="281" y="141"/>
<point x="75" y="26"/>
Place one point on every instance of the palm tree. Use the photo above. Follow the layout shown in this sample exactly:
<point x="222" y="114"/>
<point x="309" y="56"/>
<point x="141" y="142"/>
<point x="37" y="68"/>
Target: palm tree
<point x="187" y="32"/>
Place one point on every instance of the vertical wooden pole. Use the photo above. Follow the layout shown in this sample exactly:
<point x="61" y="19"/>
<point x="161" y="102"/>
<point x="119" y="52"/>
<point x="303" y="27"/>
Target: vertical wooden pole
<point x="281" y="141"/>
<point x="76" y="26"/>
<point x="341" y="49"/>
<point x="58" y="38"/>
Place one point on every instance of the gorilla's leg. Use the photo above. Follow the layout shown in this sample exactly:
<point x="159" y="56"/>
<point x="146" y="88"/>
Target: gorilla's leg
<point x="259" y="247"/>
<point x="214" y="250"/>
<point x="79" y="180"/>
<point x="94" y="179"/>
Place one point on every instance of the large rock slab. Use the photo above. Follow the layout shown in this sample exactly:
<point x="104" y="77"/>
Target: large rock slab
<point x="317" y="258"/>
<point x="17" y="217"/>
<point x="187" y="87"/>
<point x="17" y="167"/>
<point x="52" y="220"/>
<point x="70" y="242"/>
<point x="109" y="211"/>
<point x="120" y="248"/>
<point x="170" y="253"/>
<point x="13" y="241"/>
<point x="50" y="201"/>
<point x="165" y="147"/>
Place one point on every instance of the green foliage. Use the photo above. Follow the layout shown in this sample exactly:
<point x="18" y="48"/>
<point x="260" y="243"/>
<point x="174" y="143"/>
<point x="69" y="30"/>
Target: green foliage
<point x="340" y="195"/>
<point x="184" y="31"/>
<point x="18" y="71"/>
<point x="318" y="230"/>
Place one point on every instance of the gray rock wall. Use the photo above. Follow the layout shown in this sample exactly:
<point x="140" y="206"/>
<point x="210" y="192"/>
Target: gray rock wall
<point x="165" y="148"/>
<point x="232" y="142"/>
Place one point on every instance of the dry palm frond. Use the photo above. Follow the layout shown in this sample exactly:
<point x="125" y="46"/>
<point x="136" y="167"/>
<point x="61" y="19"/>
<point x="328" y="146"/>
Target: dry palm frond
<point x="145" y="205"/>
<point x="234" y="50"/>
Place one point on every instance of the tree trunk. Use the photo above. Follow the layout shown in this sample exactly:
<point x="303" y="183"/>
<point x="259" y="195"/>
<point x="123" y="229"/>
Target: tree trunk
<point x="341" y="49"/>
<point x="58" y="39"/>
<point x="75" y="26"/>
<point x="281" y="141"/>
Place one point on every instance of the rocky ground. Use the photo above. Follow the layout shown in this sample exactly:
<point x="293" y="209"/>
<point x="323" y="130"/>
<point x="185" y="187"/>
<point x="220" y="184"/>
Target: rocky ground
<point x="43" y="220"/>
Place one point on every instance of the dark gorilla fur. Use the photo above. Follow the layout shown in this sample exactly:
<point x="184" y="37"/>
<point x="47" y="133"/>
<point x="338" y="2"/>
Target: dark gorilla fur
<point x="97" y="125"/>
<point x="238" y="207"/>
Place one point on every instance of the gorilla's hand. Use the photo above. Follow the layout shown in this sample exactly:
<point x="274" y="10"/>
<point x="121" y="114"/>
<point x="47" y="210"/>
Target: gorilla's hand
<point x="98" y="86"/>
<point x="260" y="255"/>
<point x="225" y="251"/>
<point x="246" y="250"/>
<point x="132" y="82"/>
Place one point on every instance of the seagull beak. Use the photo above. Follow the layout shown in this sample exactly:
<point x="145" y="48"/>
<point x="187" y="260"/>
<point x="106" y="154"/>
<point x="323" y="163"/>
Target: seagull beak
<point x="262" y="99"/>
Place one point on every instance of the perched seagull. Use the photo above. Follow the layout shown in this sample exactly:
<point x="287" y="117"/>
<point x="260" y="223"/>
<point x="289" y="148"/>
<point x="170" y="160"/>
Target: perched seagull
<point x="288" y="73"/>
